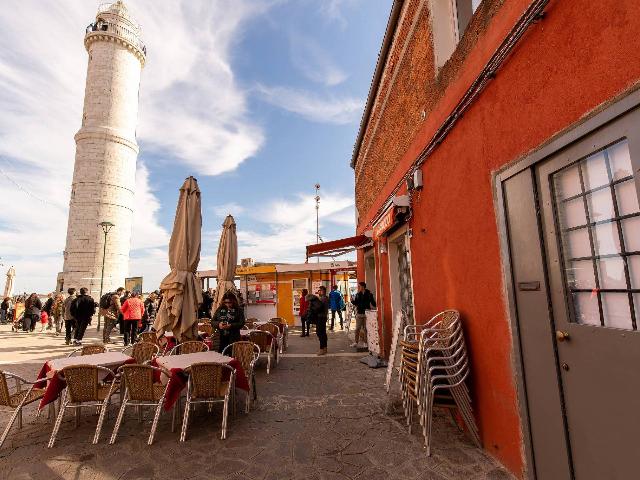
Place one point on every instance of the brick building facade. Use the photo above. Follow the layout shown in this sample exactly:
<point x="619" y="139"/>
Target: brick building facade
<point x="492" y="102"/>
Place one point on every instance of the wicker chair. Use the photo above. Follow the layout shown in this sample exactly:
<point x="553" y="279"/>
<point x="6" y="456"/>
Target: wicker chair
<point x="18" y="399"/>
<point x="90" y="349"/>
<point x="265" y="342"/>
<point x="247" y="353"/>
<point x="274" y="330"/>
<point x="84" y="389"/>
<point x="206" y="386"/>
<point x="142" y="391"/>
<point x="148" y="337"/>
<point x="284" y="331"/>
<point x="142" y="352"/>
<point x="192" y="346"/>
<point x="205" y="328"/>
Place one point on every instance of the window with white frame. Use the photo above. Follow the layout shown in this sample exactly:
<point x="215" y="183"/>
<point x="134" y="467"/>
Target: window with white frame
<point x="450" y="19"/>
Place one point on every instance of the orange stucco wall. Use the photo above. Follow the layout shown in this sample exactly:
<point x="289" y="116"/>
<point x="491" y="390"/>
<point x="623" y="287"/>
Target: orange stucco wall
<point x="581" y="56"/>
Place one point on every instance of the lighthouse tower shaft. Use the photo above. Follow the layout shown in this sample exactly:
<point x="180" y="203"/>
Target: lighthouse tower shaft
<point x="103" y="186"/>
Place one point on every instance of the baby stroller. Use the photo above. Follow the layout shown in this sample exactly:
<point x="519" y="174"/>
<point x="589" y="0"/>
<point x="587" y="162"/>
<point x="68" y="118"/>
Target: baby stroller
<point x="18" y="324"/>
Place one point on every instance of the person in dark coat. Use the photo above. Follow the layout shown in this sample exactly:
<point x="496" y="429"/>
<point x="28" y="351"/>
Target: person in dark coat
<point x="319" y="310"/>
<point x="82" y="309"/>
<point x="32" y="309"/>
<point x="363" y="301"/>
<point x="48" y="307"/>
<point x="229" y="320"/>
<point x="304" y="312"/>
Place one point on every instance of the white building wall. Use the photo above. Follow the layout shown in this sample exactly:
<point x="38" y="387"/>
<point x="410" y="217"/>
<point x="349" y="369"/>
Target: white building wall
<point x="103" y="186"/>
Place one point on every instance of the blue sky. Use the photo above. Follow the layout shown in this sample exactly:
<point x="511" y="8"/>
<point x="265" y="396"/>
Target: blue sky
<point x="259" y="100"/>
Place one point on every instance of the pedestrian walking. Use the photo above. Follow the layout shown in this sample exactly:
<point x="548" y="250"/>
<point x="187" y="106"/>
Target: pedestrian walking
<point x="48" y="306"/>
<point x="132" y="311"/>
<point x="304" y="312"/>
<point x="44" y="320"/>
<point x="69" y="321"/>
<point x="111" y="314"/>
<point x="32" y="309"/>
<point x="228" y="319"/>
<point x="319" y="306"/>
<point x="336" y="304"/>
<point x="5" y="308"/>
<point x="57" y="310"/>
<point x="363" y="301"/>
<point x="82" y="309"/>
<point x="124" y="296"/>
<point x="150" y="311"/>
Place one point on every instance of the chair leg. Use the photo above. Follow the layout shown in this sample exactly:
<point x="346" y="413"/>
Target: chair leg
<point x="225" y="412"/>
<point x="268" y="362"/>
<point x="156" y="417"/>
<point x="253" y="382"/>
<point x="175" y="413"/>
<point x="103" y="411"/>
<point x="17" y="413"/>
<point x="139" y="409"/>
<point x="77" y="416"/>
<point x="112" y="440"/>
<point x="56" y="426"/>
<point x="185" y="420"/>
<point x="429" y="421"/>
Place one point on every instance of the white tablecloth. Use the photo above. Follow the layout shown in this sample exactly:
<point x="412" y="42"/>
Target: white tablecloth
<point x="186" y="360"/>
<point x="108" y="359"/>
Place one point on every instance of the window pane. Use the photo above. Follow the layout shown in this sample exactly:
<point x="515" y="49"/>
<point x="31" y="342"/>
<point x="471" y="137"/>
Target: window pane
<point x="606" y="239"/>
<point x="636" y="303"/>
<point x="631" y="232"/>
<point x="580" y="275"/>
<point x="620" y="160"/>
<point x="615" y="307"/>
<point x="627" y="197"/>
<point x="577" y="245"/>
<point x="586" y="305"/>
<point x="600" y="205"/>
<point x="634" y="270"/>
<point x="594" y="171"/>
<point x="573" y="213"/>
<point x="611" y="271"/>
<point x="567" y="182"/>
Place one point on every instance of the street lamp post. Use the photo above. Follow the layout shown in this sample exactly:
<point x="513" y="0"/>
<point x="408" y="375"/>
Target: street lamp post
<point x="106" y="227"/>
<point x="318" y="215"/>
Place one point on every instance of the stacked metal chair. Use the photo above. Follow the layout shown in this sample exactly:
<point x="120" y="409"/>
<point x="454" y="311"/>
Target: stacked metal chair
<point x="434" y="367"/>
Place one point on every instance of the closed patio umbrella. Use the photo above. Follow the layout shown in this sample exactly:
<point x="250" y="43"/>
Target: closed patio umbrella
<point x="227" y="260"/>
<point x="8" y="286"/>
<point x="181" y="291"/>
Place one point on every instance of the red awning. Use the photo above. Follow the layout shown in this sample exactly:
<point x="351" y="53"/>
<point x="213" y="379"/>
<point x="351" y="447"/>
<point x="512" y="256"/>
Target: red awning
<point x="337" y="247"/>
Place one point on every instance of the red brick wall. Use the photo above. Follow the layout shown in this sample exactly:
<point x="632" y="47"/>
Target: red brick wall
<point x="581" y="56"/>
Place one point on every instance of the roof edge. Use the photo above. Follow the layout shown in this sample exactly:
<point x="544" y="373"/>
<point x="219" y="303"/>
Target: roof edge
<point x="387" y="41"/>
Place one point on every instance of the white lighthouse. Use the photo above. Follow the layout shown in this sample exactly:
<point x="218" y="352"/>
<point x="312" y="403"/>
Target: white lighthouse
<point x="106" y="153"/>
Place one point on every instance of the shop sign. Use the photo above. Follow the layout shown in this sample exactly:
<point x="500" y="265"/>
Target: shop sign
<point x="385" y="223"/>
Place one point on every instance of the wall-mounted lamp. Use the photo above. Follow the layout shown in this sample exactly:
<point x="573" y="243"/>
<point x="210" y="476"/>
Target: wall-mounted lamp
<point x="383" y="247"/>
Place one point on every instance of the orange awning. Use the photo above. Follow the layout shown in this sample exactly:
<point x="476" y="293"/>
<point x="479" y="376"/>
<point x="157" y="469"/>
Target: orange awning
<point x="337" y="247"/>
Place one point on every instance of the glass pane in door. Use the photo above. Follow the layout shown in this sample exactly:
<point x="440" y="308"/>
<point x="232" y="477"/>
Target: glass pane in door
<point x="596" y="204"/>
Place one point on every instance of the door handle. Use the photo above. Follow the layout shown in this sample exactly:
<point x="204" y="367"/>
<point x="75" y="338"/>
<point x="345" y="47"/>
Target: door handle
<point x="562" y="336"/>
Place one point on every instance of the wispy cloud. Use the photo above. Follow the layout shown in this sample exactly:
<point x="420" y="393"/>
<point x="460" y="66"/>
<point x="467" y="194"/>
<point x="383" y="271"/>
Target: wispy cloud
<point x="192" y="113"/>
<point x="333" y="10"/>
<point x="231" y="208"/>
<point x="311" y="106"/>
<point x="313" y="61"/>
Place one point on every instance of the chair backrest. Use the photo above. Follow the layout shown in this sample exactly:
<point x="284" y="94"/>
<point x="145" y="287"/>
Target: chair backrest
<point x="248" y="323"/>
<point x="271" y="328"/>
<point x="205" y="328"/>
<point x="148" y="337"/>
<point x="278" y="322"/>
<point x="92" y="349"/>
<point x="138" y="380"/>
<point x="215" y="340"/>
<point x="82" y="382"/>
<point x="144" y="351"/>
<point x="4" y="390"/>
<point x="245" y="353"/>
<point x="192" y="346"/>
<point x="206" y="380"/>
<point x="262" y="339"/>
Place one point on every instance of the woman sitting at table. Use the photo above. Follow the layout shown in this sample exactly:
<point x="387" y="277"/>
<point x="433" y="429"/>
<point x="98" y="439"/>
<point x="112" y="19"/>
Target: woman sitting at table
<point x="228" y="319"/>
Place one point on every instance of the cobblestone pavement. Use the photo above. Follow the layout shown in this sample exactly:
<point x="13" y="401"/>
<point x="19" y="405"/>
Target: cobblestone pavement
<point x="316" y="418"/>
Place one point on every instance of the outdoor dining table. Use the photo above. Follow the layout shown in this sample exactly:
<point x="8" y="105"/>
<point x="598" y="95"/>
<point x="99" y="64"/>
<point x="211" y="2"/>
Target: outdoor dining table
<point x="171" y="341"/>
<point x="55" y="385"/>
<point x="177" y="364"/>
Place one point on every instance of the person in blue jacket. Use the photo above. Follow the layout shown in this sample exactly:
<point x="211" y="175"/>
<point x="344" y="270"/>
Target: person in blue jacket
<point x="336" y="304"/>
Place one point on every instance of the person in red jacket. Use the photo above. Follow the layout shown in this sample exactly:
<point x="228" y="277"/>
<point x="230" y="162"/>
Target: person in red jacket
<point x="304" y="308"/>
<point x="132" y="311"/>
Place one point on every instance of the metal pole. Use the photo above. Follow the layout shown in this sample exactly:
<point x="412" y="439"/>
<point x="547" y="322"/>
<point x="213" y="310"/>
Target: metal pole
<point x="318" y="216"/>
<point x="104" y="254"/>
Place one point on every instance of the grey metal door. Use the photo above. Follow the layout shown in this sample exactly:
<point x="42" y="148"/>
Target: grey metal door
<point x="590" y="228"/>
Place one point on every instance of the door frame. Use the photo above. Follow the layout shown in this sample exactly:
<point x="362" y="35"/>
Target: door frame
<point x="394" y="281"/>
<point x="618" y="107"/>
